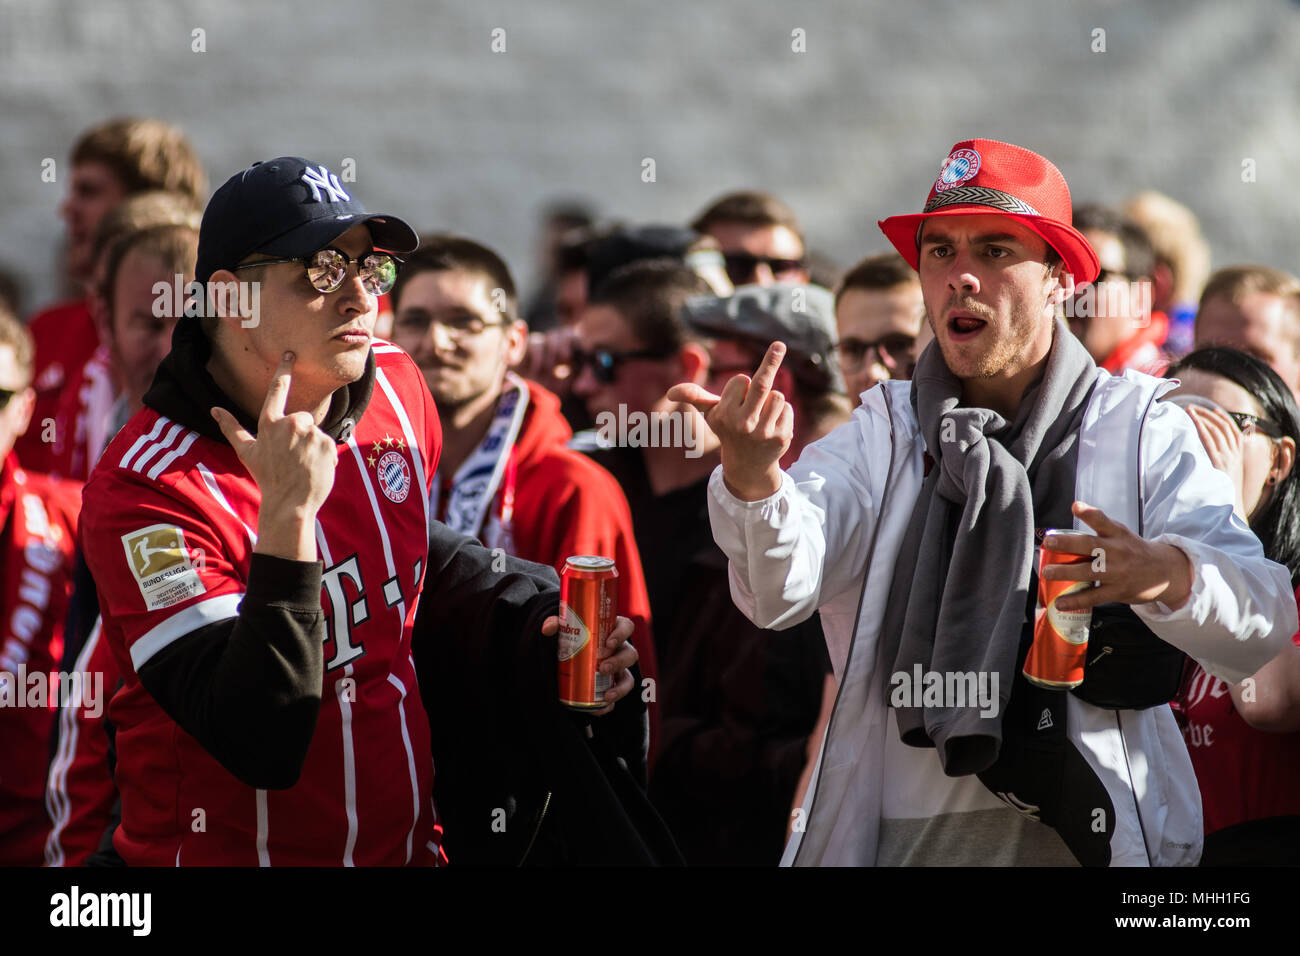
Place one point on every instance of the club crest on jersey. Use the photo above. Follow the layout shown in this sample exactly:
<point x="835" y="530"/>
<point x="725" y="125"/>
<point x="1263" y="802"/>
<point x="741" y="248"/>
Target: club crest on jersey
<point x="961" y="166"/>
<point x="162" y="566"/>
<point x="391" y="468"/>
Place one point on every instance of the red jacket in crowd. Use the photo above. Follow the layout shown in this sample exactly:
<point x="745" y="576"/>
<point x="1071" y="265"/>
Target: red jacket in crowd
<point x="38" y="533"/>
<point x="66" y="338"/>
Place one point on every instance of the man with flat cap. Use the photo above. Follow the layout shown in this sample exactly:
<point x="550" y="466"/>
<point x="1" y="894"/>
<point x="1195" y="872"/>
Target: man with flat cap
<point x="914" y="530"/>
<point x="739" y="328"/>
<point x="259" y="535"/>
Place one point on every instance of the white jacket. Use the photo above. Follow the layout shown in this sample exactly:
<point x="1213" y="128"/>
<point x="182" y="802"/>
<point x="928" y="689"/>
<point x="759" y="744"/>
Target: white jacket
<point x="845" y="504"/>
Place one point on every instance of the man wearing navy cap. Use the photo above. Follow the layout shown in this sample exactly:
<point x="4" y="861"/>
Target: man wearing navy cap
<point x="259" y="534"/>
<point x="913" y="531"/>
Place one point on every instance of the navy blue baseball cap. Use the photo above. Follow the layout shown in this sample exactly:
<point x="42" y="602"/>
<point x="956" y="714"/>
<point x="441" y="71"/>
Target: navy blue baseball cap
<point x="286" y="207"/>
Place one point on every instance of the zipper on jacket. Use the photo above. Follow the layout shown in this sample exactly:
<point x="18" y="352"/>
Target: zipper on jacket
<point x="853" y="639"/>
<point x="537" y="829"/>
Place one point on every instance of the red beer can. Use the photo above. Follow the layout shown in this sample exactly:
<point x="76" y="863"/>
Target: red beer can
<point x="1060" y="647"/>
<point x="588" y="607"/>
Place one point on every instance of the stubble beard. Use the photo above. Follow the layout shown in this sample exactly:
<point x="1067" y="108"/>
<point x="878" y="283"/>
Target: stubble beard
<point x="998" y="354"/>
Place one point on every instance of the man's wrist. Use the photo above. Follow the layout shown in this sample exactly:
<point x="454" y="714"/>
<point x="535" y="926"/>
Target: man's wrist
<point x="753" y="490"/>
<point x="1179" y="589"/>
<point x="287" y="533"/>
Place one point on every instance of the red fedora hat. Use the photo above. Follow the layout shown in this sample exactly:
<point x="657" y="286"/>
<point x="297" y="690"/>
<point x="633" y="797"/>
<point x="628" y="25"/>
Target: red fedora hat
<point x="985" y="177"/>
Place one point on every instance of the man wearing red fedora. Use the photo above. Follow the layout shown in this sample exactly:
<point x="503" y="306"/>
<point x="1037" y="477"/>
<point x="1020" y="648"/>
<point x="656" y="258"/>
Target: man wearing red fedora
<point x="914" y="529"/>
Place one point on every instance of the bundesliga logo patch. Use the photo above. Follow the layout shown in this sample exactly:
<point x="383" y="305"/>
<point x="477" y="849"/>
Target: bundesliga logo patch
<point x="161" y="563"/>
<point x="961" y="166"/>
<point x="392" y="470"/>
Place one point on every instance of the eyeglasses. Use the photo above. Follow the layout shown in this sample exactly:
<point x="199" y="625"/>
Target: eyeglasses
<point x="460" y="327"/>
<point x="1245" y="420"/>
<point x="1242" y="420"/>
<point x="328" y="268"/>
<point x="853" y="352"/>
<point x="6" y="396"/>
<point x="604" y="363"/>
<point x="742" y="267"/>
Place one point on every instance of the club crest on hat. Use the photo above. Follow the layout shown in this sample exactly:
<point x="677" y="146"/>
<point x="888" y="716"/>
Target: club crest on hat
<point x="322" y="178"/>
<point x="960" y="166"/>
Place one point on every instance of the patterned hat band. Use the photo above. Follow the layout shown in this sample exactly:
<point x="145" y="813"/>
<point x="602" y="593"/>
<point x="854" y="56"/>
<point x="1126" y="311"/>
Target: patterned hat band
<point x="981" y="196"/>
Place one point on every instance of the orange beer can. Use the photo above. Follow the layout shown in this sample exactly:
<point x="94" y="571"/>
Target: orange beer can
<point x="1060" y="646"/>
<point x="588" y="607"/>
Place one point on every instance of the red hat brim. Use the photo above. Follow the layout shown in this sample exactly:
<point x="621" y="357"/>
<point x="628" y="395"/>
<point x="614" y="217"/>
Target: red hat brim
<point x="1079" y="258"/>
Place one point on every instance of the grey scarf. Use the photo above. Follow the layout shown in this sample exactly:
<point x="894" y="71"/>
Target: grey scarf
<point x="961" y="584"/>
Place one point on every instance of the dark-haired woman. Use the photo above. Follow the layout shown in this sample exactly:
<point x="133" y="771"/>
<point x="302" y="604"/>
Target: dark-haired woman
<point x="1244" y="739"/>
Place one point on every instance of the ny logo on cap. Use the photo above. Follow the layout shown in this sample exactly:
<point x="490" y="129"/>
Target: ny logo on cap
<point x="322" y="178"/>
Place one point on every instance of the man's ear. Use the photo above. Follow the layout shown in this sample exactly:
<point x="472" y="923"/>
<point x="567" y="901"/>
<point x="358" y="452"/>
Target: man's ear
<point x="27" y="400"/>
<point x="694" y="359"/>
<point x="1285" y="459"/>
<point x="220" y="303"/>
<point x="1064" y="287"/>
<point x="1162" y="283"/>
<point x="516" y="342"/>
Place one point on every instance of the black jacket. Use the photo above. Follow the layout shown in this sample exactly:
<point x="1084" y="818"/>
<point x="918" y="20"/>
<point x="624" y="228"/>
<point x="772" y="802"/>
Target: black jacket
<point x="519" y="779"/>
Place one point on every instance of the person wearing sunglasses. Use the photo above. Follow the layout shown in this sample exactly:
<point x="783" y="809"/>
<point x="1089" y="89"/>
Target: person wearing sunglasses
<point x="259" y="535"/>
<point x="880" y="317"/>
<point x="507" y="477"/>
<point x="759" y="236"/>
<point x="38" y="527"/>
<point x="1244" y="739"/>
<point x="1112" y="316"/>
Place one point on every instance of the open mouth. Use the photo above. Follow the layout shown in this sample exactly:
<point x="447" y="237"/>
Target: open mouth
<point x="962" y="326"/>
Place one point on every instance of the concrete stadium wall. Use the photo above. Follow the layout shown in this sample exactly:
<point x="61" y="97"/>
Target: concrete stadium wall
<point x="451" y="134"/>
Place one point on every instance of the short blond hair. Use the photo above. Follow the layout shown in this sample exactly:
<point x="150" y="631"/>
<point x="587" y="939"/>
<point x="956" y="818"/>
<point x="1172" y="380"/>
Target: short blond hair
<point x="1175" y="235"/>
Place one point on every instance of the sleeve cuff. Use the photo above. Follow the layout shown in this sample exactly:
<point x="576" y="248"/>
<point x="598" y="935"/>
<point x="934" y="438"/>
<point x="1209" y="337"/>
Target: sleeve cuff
<point x="738" y="507"/>
<point x="284" y="583"/>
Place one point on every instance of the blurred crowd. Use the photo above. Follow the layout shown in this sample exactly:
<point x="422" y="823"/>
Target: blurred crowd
<point x="559" y="438"/>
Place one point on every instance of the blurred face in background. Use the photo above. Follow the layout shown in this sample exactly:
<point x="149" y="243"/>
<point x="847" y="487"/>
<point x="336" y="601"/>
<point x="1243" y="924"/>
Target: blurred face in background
<point x="463" y="344"/>
<point x="1108" y="313"/>
<point x="570" y="297"/>
<point x="613" y="372"/>
<point x="760" y="255"/>
<point x="879" y="332"/>
<point x="138" y="339"/>
<point x="17" y="397"/>
<point x="1261" y="324"/>
<point x="93" y="190"/>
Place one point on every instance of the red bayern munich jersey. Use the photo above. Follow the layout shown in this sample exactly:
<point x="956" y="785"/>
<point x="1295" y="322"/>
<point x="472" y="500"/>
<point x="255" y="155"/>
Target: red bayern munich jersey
<point x="168" y="528"/>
